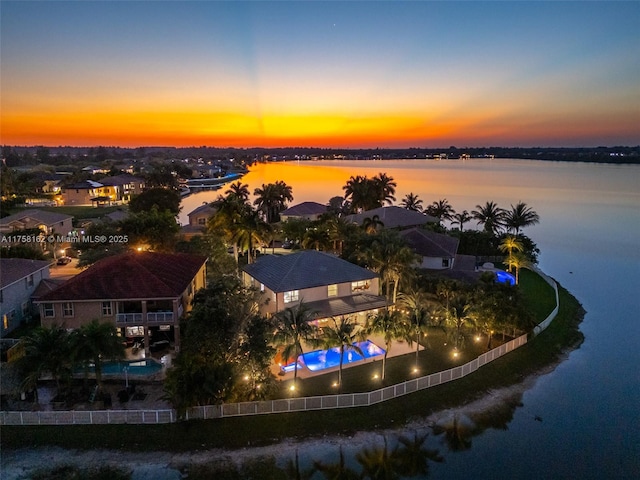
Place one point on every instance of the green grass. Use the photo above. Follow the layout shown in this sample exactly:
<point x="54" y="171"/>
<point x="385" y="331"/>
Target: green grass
<point x="241" y="432"/>
<point x="538" y="294"/>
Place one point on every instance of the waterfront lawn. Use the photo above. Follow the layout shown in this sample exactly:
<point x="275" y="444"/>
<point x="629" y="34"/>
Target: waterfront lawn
<point x="540" y="353"/>
<point x="539" y="295"/>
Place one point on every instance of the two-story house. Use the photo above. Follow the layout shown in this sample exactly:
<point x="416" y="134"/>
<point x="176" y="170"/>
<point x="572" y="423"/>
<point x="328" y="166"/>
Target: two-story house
<point x="437" y="251"/>
<point x="19" y="278"/>
<point x="143" y="294"/>
<point x="328" y="285"/>
<point x="49" y="222"/>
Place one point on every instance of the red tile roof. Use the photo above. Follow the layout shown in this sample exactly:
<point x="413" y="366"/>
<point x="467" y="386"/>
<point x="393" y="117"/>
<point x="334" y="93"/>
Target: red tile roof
<point x="135" y="275"/>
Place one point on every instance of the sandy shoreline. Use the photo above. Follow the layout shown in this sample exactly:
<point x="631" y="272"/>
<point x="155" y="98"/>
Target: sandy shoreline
<point x="17" y="464"/>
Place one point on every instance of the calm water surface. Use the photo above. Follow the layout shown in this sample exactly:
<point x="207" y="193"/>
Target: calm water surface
<point x="589" y="236"/>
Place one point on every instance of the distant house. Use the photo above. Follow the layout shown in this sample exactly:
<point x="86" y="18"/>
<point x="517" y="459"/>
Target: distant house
<point x="199" y="216"/>
<point x="116" y="189"/>
<point x="305" y="210"/>
<point x="437" y="251"/>
<point x="393" y="217"/>
<point x="143" y="294"/>
<point x="328" y="285"/>
<point x="120" y="188"/>
<point x="19" y="278"/>
<point x="48" y="222"/>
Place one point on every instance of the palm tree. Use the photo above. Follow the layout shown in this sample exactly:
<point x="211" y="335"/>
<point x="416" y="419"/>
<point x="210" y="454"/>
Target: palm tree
<point x="509" y="244"/>
<point x="360" y="192"/>
<point x="316" y="238"/>
<point x="341" y="333"/>
<point x="391" y="326"/>
<point x="412" y="202"/>
<point x="371" y="224"/>
<point x="230" y="213"/>
<point x="458" y="314"/>
<point x="520" y="216"/>
<point x="386" y="188"/>
<point x="250" y="232"/>
<point x="292" y="327"/>
<point x="518" y="260"/>
<point x="96" y="341"/>
<point x="339" y="229"/>
<point x="392" y="259"/>
<point x="239" y="190"/>
<point x="272" y="199"/>
<point x="46" y="350"/>
<point x="416" y="303"/>
<point x="461" y="219"/>
<point x="489" y="215"/>
<point x="441" y="209"/>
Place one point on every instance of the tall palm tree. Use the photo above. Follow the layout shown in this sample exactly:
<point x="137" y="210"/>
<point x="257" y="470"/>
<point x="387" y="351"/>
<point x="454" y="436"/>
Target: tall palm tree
<point x="490" y="216"/>
<point x="250" y="232"/>
<point x="509" y="244"/>
<point x="292" y="328"/>
<point x="419" y="314"/>
<point x="46" y="350"/>
<point x="239" y="190"/>
<point x="339" y="229"/>
<point x="271" y="199"/>
<point x="412" y="202"/>
<point x="360" y="192"/>
<point x="520" y="216"/>
<point x="341" y="333"/>
<point x="441" y="209"/>
<point x="518" y="260"/>
<point x="462" y="218"/>
<point x="96" y="341"/>
<point x="459" y="313"/>
<point x="391" y="326"/>
<point x="230" y="213"/>
<point x="392" y="259"/>
<point x="386" y="188"/>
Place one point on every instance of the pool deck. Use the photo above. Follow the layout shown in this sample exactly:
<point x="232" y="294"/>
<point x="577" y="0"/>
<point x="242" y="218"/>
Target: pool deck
<point x="397" y="349"/>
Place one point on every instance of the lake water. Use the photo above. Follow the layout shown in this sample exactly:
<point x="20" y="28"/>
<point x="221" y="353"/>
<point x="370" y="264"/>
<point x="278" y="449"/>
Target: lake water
<point x="589" y="237"/>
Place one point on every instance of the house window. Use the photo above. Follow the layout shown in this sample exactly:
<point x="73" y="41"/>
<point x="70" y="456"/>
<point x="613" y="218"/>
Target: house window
<point x="202" y="221"/>
<point x="5" y="322"/>
<point x="48" y="310"/>
<point x="332" y="290"/>
<point x="25" y="309"/>
<point x="445" y="263"/>
<point x="29" y="281"/>
<point x="291" y="296"/>
<point x="67" y="309"/>
<point x="107" y="309"/>
<point x="361" y="285"/>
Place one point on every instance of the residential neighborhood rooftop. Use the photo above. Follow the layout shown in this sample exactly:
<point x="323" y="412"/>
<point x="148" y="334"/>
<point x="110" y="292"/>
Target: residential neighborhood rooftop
<point x="393" y="217"/>
<point x="15" y="269"/>
<point x="431" y="244"/>
<point x="43" y="216"/>
<point x="132" y="275"/>
<point x="305" y="208"/>
<point x="305" y="269"/>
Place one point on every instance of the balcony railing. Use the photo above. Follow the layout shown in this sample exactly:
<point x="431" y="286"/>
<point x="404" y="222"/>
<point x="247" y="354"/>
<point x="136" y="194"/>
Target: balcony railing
<point x="155" y="318"/>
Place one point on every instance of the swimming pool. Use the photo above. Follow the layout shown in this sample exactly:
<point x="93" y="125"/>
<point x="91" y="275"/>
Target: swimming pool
<point x="145" y="366"/>
<point x="505" y="277"/>
<point x="323" y="359"/>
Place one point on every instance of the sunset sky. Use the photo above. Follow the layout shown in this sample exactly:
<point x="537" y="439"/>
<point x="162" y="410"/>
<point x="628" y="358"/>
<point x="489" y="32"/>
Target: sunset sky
<point x="327" y="74"/>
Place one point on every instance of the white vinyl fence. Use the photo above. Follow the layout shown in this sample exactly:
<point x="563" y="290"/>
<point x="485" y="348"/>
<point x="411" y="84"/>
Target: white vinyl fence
<point x="275" y="406"/>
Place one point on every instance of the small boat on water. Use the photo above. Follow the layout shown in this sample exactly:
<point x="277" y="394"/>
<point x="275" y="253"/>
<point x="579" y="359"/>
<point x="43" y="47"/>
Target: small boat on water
<point x="212" y="182"/>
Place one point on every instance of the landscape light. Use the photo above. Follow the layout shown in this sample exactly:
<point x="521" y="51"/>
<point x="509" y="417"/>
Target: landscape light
<point x="292" y="388"/>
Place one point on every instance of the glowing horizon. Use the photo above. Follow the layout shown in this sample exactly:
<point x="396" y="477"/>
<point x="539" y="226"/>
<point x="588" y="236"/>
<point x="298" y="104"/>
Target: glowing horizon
<point x="315" y="74"/>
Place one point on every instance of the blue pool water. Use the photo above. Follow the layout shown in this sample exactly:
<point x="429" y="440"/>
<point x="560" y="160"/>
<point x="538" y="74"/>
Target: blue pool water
<point x="323" y="359"/>
<point x="134" y="367"/>
<point x="505" y="277"/>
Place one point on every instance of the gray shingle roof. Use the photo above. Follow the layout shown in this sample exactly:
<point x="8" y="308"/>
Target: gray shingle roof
<point x="431" y="244"/>
<point x="305" y="208"/>
<point x="14" y="269"/>
<point x="48" y="218"/>
<point x="305" y="269"/>
<point x="394" y="217"/>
